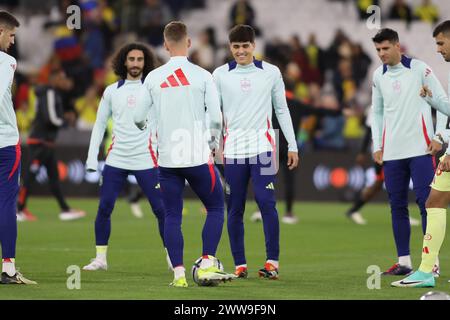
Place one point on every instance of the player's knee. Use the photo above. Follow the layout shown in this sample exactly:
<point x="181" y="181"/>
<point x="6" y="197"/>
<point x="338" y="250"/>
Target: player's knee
<point x="8" y="221"/>
<point x="429" y="203"/>
<point x="433" y="202"/>
<point x="236" y="208"/>
<point x="266" y="205"/>
<point x="235" y="217"/>
<point x="398" y="204"/>
<point x="105" y="208"/>
<point x="217" y="211"/>
<point x="399" y="210"/>
<point x="159" y="213"/>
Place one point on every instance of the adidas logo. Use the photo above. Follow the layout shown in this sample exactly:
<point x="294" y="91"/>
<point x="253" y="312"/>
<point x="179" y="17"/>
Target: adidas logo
<point x="270" y="186"/>
<point x="175" y="80"/>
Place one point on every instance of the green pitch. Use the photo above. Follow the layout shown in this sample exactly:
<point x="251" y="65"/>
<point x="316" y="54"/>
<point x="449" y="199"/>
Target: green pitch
<point x="325" y="256"/>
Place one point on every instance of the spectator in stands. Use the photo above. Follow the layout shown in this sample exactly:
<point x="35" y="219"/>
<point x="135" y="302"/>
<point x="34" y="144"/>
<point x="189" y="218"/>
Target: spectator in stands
<point x="109" y="77"/>
<point x="362" y="5"/>
<point x="93" y="38"/>
<point x="299" y="56"/>
<point x="69" y="53"/>
<point x="109" y="24"/>
<point x="401" y="11"/>
<point x="427" y="12"/>
<point x="360" y="63"/>
<point x="344" y="82"/>
<point x="278" y="53"/>
<point x="333" y="52"/>
<point x="86" y="108"/>
<point x="293" y="80"/>
<point x="127" y="11"/>
<point x="315" y="60"/>
<point x="205" y="50"/>
<point x="25" y="100"/>
<point x="153" y="17"/>
<point x="330" y="132"/>
<point x="242" y="12"/>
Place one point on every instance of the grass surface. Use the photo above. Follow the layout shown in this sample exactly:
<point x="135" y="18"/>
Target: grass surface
<point x="325" y="256"/>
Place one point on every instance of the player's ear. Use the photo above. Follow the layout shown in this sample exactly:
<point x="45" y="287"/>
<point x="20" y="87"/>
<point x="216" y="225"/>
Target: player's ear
<point x="166" y="46"/>
<point x="189" y="42"/>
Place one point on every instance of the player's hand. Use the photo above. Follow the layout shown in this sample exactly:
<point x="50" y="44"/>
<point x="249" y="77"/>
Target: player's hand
<point x="293" y="160"/>
<point x="444" y="165"/>
<point x="378" y="157"/>
<point x="434" y="147"/>
<point x="425" y="91"/>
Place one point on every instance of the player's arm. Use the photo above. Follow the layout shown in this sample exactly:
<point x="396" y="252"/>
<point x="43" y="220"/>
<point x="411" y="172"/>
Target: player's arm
<point x="152" y="124"/>
<point x="143" y="106"/>
<point x="377" y="121"/>
<point x="5" y="71"/>
<point x="212" y="105"/>
<point x="216" y="79"/>
<point x="284" y="119"/>
<point x="433" y="92"/>
<point x="438" y="138"/>
<point x="103" y="113"/>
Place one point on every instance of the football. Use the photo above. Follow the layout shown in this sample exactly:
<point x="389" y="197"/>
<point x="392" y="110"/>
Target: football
<point x="435" y="295"/>
<point x="195" y="268"/>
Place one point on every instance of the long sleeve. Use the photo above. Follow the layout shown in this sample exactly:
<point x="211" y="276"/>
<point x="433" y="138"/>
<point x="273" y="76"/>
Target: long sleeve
<point x="103" y="114"/>
<point x="212" y="104"/>
<point x="377" y="116"/>
<point x="153" y="126"/>
<point x="282" y="112"/>
<point x="5" y="70"/>
<point x="441" y="126"/>
<point x="51" y="114"/>
<point x="144" y="103"/>
<point x="439" y="100"/>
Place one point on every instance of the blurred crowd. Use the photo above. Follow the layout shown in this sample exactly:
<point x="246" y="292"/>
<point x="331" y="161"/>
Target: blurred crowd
<point x="402" y="10"/>
<point x="334" y="78"/>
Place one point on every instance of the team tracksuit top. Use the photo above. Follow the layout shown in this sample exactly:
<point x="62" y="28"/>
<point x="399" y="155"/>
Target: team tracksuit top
<point x="247" y="94"/>
<point x="402" y="124"/>
<point x="440" y="102"/>
<point x="9" y="133"/>
<point x="131" y="148"/>
<point x="181" y="97"/>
